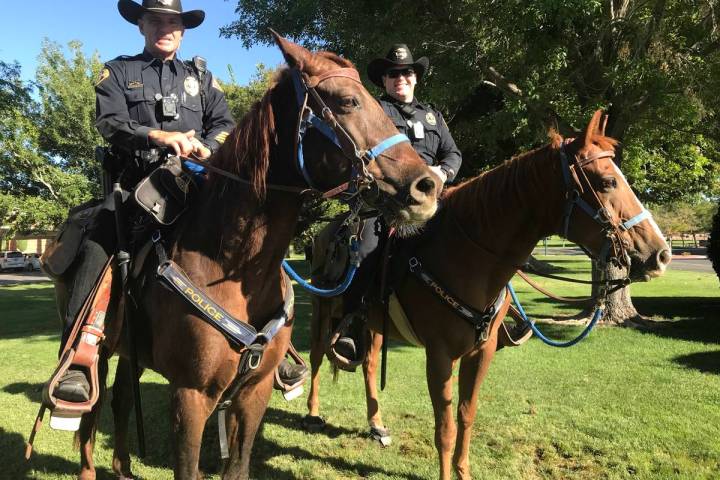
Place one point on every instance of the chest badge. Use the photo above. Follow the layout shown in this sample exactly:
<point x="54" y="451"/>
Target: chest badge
<point x="192" y="87"/>
<point x="430" y="118"/>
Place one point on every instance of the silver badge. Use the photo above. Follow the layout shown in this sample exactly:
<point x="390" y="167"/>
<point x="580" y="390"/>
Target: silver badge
<point x="167" y="3"/>
<point x="430" y="118"/>
<point x="401" y="54"/>
<point x="192" y="87"/>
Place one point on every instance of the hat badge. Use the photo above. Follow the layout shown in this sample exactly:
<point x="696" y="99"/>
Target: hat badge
<point x="401" y="54"/>
<point x="167" y="3"/>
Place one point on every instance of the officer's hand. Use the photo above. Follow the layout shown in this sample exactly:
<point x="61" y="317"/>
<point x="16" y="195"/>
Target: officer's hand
<point x="440" y="173"/>
<point x="200" y="150"/>
<point x="179" y="142"/>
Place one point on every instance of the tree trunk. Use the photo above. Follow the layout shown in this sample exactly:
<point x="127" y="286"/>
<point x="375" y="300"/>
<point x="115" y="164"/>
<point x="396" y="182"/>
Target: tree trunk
<point x="618" y="305"/>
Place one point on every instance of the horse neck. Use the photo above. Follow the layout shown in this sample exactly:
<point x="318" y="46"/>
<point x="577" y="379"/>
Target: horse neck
<point x="510" y="208"/>
<point x="232" y="224"/>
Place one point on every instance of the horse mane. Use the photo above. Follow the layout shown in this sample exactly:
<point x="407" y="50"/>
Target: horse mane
<point x="247" y="151"/>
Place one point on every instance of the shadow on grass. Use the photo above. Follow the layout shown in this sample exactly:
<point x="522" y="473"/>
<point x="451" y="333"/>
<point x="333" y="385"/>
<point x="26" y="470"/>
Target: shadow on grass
<point x="159" y="450"/>
<point x="706" y="362"/>
<point x="699" y="317"/>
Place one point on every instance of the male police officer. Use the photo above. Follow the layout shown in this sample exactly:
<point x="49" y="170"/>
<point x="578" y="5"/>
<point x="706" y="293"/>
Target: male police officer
<point x="144" y="102"/>
<point x="398" y="74"/>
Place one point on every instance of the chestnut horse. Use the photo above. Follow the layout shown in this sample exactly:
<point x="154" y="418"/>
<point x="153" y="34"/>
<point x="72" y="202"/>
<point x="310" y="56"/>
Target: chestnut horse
<point x="488" y="226"/>
<point x="231" y="244"/>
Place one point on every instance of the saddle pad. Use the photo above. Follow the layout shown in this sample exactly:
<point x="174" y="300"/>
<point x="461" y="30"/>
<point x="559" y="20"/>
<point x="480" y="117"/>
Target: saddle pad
<point x="401" y="322"/>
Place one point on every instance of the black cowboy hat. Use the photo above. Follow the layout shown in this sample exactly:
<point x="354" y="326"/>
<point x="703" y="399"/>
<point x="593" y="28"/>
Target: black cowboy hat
<point x="132" y="11"/>
<point x="398" y="56"/>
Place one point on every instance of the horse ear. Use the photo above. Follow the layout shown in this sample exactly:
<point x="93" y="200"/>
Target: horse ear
<point x="593" y="127"/>
<point x="603" y="124"/>
<point x="294" y="54"/>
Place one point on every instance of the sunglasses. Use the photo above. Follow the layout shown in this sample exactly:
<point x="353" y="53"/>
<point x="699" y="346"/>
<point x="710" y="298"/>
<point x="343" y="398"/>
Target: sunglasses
<point x="406" y="72"/>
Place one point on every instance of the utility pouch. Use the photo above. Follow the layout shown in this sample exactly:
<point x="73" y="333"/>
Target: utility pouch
<point x="64" y="249"/>
<point x="164" y="193"/>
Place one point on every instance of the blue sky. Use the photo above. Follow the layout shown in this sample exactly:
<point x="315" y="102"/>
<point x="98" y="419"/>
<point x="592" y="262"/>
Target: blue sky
<point x="99" y="26"/>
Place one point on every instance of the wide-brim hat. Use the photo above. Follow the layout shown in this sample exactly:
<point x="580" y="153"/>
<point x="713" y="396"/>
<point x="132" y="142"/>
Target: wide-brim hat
<point x="132" y="11"/>
<point x="399" y="56"/>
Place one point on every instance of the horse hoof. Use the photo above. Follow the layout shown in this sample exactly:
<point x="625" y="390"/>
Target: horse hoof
<point x="313" y="424"/>
<point x="381" y="435"/>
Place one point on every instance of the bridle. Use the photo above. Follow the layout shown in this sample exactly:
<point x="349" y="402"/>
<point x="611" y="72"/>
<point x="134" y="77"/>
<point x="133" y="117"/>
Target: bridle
<point x="326" y="123"/>
<point x="614" y="248"/>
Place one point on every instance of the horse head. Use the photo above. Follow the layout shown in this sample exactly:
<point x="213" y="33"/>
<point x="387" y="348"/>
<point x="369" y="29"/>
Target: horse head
<point x="342" y="134"/>
<point x="602" y="213"/>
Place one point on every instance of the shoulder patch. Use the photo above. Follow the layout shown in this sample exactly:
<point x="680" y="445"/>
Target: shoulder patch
<point x="216" y="85"/>
<point x="104" y="74"/>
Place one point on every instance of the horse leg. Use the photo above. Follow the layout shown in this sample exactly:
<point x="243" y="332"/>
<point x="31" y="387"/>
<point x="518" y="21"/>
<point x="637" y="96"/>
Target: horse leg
<point x="190" y="410"/>
<point x="122" y="404"/>
<point x="88" y="425"/>
<point x="370" y="373"/>
<point x="248" y="410"/>
<point x="473" y="368"/>
<point x="319" y="326"/>
<point x="438" y="368"/>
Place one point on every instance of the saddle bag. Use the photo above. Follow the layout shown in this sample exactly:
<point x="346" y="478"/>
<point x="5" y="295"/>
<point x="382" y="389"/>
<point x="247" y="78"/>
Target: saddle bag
<point x="164" y="193"/>
<point x="64" y="249"/>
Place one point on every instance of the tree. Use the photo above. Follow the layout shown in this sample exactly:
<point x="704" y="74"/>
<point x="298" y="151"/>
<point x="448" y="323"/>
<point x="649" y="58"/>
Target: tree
<point x="46" y="164"/>
<point x="240" y="98"/>
<point x="507" y="71"/>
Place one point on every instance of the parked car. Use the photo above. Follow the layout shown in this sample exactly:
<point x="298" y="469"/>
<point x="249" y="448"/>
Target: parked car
<point x="13" y="260"/>
<point x="32" y="262"/>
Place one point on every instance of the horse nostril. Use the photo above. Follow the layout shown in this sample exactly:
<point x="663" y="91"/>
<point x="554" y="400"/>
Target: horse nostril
<point x="426" y="185"/>
<point x="663" y="257"/>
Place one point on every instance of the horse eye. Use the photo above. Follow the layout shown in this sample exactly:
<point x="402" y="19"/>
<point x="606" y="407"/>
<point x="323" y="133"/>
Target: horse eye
<point x="350" y="102"/>
<point x="609" y="183"/>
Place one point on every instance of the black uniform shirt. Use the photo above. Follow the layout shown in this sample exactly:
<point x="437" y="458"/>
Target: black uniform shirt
<point x="129" y="102"/>
<point x="435" y="144"/>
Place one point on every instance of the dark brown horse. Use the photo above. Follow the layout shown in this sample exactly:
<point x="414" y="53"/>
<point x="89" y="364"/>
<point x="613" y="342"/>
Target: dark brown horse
<point x="487" y="227"/>
<point x="231" y="244"/>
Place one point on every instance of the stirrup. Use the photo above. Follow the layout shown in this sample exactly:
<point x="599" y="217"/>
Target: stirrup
<point x="291" y="391"/>
<point x="336" y="358"/>
<point x="514" y="336"/>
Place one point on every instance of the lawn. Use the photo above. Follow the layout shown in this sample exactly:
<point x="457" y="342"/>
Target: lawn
<point x="621" y="404"/>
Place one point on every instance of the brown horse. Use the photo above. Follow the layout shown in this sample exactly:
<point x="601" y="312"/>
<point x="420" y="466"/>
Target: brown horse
<point x="231" y="244"/>
<point x="487" y="227"/>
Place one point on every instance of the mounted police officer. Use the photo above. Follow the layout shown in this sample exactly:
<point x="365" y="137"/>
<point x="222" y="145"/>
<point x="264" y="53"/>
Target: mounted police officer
<point x="398" y="74"/>
<point x="148" y="104"/>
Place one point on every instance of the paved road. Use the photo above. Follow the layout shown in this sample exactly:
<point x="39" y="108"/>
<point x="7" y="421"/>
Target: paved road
<point x="691" y="263"/>
<point x="18" y="278"/>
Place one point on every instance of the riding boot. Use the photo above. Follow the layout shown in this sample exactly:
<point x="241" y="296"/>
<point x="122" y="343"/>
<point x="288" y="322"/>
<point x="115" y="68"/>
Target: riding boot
<point x="74" y="386"/>
<point x="292" y="373"/>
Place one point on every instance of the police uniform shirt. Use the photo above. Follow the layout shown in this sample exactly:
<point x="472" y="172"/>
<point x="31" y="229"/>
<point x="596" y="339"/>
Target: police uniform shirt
<point x="428" y="133"/>
<point x="129" y="96"/>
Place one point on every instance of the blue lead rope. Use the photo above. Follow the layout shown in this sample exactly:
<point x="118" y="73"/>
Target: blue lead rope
<point x="321" y="292"/>
<point x="547" y="341"/>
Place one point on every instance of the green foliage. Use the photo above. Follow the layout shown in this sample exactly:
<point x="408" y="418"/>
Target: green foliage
<point x="240" y="98"/>
<point x="506" y="71"/>
<point x="66" y="85"/>
<point x="47" y="163"/>
<point x="685" y="217"/>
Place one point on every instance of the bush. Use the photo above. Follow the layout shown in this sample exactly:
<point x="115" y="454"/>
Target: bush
<point x="714" y="243"/>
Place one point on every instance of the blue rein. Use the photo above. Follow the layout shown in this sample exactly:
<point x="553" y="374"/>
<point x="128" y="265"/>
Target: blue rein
<point x="546" y="340"/>
<point x="320" y="292"/>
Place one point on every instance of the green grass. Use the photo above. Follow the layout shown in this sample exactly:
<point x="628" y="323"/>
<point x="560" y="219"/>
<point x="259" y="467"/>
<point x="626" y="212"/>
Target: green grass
<point x="621" y="404"/>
